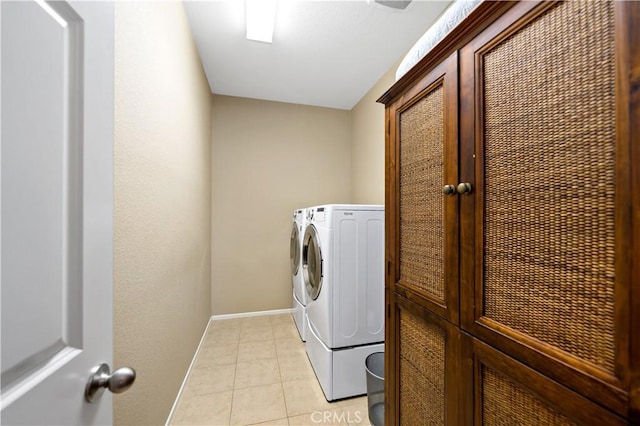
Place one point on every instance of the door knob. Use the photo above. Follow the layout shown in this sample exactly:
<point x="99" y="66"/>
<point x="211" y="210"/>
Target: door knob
<point x="464" y="188"/>
<point x="449" y="190"/>
<point x="101" y="379"/>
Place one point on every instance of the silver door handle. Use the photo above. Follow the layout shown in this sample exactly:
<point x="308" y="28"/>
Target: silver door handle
<point x="101" y="379"/>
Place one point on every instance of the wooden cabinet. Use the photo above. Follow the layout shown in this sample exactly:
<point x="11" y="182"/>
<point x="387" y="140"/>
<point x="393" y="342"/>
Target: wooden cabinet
<point x="428" y="355"/>
<point x="425" y="224"/>
<point x="507" y="392"/>
<point x="536" y="106"/>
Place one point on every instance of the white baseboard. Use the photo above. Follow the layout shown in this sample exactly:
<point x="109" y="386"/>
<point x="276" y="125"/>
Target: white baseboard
<point x="186" y="376"/>
<point x="252" y="314"/>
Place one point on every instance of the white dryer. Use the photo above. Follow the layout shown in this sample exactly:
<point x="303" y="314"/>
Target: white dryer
<point x="343" y="270"/>
<point x="300" y="297"/>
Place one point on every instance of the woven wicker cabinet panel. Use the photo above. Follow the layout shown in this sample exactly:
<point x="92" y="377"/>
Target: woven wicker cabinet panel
<point x="507" y="392"/>
<point x="422" y="371"/>
<point x="421" y="212"/>
<point x="549" y="180"/>
<point x="505" y="403"/>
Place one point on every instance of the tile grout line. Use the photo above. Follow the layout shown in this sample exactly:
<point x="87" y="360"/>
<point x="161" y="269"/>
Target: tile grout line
<point x="235" y="372"/>
<point x="284" y="397"/>
<point x="275" y="347"/>
<point x="253" y="360"/>
<point x="233" y="390"/>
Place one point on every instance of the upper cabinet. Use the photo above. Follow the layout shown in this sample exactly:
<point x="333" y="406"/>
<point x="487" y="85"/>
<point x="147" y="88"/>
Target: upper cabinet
<point x="425" y="223"/>
<point x="513" y="209"/>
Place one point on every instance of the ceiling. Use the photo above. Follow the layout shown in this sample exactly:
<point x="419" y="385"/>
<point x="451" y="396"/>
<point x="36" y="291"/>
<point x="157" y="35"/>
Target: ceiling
<point x="324" y="53"/>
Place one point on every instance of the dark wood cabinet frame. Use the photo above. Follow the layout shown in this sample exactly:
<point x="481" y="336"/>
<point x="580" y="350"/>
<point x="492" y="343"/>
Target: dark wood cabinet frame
<point x="456" y="62"/>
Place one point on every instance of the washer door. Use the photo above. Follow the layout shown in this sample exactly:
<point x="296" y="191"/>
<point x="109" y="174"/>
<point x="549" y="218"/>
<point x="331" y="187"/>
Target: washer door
<point x="294" y="250"/>
<point x="312" y="262"/>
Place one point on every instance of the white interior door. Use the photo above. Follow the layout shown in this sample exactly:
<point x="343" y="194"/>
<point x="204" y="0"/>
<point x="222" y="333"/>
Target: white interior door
<point x="56" y="164"/>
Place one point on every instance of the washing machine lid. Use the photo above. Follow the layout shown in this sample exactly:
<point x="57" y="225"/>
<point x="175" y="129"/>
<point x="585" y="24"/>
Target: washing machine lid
<point x="312" y="262"/>
<point x="294" y="250"/>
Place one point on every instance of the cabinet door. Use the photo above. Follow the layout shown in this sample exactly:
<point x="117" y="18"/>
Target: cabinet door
<point x="546" y="278"/>
<point x="423" y="383"/>
<point x="506" y="392"/>
<point x="422" y="222"/>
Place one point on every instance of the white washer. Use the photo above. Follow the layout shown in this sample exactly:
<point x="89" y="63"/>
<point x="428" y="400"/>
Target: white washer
<point x="343" y="270"/>
<point x="300" y="297"/>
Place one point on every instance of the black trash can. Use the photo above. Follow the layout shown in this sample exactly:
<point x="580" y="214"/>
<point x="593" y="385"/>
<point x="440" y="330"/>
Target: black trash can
<point x="374" y="365"/>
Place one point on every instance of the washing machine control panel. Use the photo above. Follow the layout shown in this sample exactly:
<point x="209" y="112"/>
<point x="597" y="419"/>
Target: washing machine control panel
<point x="316" y="214"/>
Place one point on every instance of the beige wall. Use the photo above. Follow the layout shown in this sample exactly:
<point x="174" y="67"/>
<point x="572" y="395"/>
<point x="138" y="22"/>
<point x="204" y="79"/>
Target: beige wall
<point x="367" y="144"/>
<point x="162" y="246"/>
<point x="268" y="159"/>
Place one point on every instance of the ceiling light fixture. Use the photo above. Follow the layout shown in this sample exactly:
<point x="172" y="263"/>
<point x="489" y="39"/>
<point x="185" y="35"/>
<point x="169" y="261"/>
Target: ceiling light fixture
<point x="261" y="16"/>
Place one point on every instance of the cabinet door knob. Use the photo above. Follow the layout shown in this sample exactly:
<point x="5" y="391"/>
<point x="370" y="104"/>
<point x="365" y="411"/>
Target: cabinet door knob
<point x="464" y="188"/>
<point x="449" y="190"/>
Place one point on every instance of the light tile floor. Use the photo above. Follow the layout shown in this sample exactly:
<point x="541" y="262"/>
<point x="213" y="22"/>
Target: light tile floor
<point x="255" y="371"/>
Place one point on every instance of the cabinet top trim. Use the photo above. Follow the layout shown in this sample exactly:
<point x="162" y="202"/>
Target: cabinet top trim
<point x="476" y="21"/>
